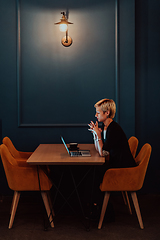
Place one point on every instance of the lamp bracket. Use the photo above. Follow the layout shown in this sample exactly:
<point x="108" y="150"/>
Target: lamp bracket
<point x="66" y="41"/>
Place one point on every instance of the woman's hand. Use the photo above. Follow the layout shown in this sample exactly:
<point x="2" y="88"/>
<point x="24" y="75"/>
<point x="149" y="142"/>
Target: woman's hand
<point x="94" y="128"/>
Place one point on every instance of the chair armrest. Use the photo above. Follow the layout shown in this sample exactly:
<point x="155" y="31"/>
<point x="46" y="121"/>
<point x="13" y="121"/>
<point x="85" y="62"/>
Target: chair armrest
<point x="22" y="162"/>
<point x="25" y="154"/>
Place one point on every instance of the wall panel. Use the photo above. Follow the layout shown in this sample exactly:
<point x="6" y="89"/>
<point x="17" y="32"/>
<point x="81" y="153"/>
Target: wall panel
<point x="58" y="86"/>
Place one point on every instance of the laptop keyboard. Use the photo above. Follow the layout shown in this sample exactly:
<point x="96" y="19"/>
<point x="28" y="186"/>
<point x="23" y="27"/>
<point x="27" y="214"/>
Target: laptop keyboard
<point x="76" y="153"/>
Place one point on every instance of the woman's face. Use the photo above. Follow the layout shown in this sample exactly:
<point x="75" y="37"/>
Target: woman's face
<point x="100" y="115"/>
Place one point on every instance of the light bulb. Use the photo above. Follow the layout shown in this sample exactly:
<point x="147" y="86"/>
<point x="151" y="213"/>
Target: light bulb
<point x="63" y="27"/>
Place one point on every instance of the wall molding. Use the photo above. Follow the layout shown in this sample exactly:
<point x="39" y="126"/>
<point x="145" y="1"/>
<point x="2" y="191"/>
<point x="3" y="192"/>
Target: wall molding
<point x="19" y="72"/>
<point x="117" y="58"/>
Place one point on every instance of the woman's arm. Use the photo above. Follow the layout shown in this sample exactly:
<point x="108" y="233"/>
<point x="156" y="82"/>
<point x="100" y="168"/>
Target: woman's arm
<point x="94" y="137"/>
<point x="99" y="145"/>
<point x="95" y="140"/>
<point x="97" y="136"/>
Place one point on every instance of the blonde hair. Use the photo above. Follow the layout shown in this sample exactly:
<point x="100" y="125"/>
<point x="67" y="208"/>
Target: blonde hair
<point x="107" y="105"/>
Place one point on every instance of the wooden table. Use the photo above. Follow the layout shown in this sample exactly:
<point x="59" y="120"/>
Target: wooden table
<point x="56" y="154"/>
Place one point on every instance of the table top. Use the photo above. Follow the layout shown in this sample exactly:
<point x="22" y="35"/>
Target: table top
<point x="56" y="154"/>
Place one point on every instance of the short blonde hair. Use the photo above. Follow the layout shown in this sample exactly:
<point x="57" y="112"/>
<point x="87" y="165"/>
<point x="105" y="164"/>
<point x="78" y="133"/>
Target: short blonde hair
<point x="107" y="105"/>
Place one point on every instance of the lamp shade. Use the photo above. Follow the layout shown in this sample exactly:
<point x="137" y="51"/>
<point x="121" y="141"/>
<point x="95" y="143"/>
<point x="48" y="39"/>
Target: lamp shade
<point x="63" y="27"/>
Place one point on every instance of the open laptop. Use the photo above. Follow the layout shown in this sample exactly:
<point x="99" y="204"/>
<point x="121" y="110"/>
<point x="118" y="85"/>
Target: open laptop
<point x="76" y="153"/>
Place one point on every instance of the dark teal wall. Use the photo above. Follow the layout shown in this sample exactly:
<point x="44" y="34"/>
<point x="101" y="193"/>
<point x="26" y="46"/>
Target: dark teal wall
<point x="90" y="63"/>
<point x="60" y="85"/>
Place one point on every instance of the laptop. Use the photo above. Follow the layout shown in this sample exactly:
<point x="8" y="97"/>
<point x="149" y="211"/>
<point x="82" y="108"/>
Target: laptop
<point x="76" y="153"/>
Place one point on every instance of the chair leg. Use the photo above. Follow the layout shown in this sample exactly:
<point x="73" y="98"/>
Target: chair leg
<point x="47" y="206"/>
<point x="136" y="205"/>
<point x="15" y="201"/>
<point x="126" y="201"/>
<point x="104" y="206"/>
<point x="124" y="198"/>
<point x="129" y="206"/>
<point x="50" y="203"/>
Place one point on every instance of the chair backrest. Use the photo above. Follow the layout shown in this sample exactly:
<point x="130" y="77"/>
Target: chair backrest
<point x="142" y="160"/>
<point x="6" y="156"/>
<point x="9" y="162"/>
<point x="15" y="153"/>
<point x="133" y="144"/>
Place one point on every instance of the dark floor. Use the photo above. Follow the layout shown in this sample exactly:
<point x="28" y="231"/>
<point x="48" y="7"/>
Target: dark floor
<point x="29" y="221"/>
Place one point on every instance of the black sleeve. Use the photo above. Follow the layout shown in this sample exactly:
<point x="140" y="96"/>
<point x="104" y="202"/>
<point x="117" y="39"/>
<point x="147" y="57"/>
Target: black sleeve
<point x="114" y="137"/>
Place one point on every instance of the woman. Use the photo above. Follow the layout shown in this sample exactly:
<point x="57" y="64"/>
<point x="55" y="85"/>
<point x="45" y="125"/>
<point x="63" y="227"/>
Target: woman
<point x="111" y="142"/>
<point x="111" y="139"/>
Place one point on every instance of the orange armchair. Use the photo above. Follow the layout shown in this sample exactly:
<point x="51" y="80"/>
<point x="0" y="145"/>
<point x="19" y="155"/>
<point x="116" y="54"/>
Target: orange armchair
<point x="126" y="179"/>
<point x="25" y="178"/>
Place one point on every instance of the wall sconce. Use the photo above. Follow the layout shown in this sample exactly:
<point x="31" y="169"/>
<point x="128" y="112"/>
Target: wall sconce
<point x="63" y="27"/>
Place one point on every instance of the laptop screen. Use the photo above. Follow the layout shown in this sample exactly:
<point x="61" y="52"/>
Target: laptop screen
<point x="65" y="144"/>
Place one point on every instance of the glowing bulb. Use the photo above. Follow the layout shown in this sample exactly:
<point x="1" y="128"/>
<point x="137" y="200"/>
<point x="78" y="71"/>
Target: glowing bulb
<point x="63" y="27"/>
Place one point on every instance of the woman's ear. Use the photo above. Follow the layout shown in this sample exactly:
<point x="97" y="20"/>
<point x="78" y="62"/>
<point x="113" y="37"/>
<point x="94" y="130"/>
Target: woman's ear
<point x="107" y="113"/>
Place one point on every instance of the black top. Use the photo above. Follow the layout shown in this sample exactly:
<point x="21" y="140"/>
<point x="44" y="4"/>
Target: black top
<point x="116" y="144"/>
